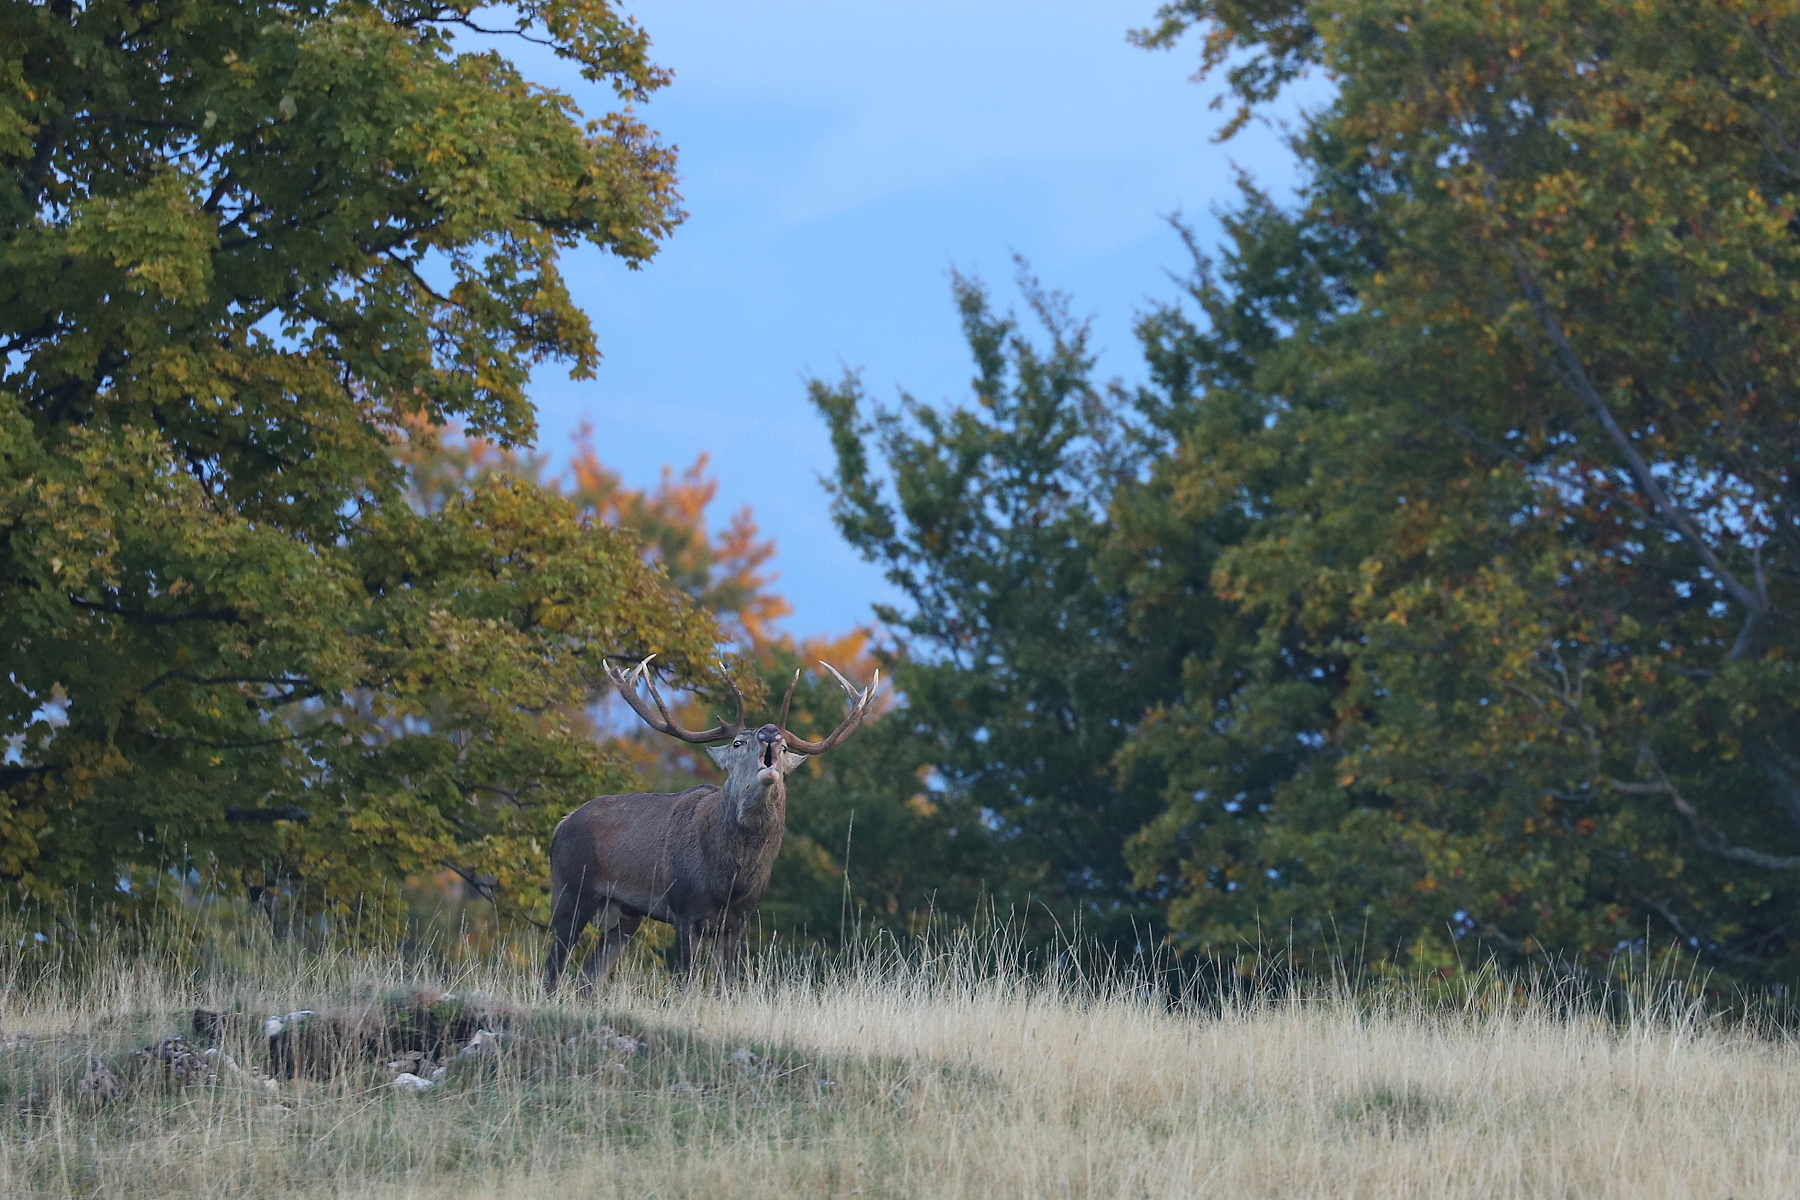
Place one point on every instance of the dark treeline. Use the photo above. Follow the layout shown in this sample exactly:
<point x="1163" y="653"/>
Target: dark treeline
<point x="1434" y="597"/>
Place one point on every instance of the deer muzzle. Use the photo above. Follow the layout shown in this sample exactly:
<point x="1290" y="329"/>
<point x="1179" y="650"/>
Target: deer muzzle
<point x="771" y="750"/>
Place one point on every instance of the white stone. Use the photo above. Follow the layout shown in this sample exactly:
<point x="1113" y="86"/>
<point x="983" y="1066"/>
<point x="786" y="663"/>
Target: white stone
<point x="482" y="1040"/>
<point x="275" y="1025"/>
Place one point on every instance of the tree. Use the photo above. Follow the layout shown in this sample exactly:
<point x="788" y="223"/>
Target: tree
<point x="245" y="244"/>
<point x="1022" y="672"/>
<point x="724" y="575"/>
<point x="1516" y="439"/>
<point x="864" y="802"/>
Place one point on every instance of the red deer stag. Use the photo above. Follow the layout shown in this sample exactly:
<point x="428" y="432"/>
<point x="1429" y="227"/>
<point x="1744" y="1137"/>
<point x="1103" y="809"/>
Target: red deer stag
<point x="698" y="859"/>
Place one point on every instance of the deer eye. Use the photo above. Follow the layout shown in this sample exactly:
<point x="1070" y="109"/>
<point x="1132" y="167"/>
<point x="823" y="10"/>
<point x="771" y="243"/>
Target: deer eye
<point x="735" y="745"/>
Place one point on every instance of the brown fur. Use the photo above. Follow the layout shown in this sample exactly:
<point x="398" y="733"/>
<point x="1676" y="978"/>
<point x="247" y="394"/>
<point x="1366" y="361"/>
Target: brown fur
<point x="699" y="860"/>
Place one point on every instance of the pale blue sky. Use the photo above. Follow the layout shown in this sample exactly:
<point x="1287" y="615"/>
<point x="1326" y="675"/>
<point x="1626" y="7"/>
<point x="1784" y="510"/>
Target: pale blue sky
<point x="837" y="161"/>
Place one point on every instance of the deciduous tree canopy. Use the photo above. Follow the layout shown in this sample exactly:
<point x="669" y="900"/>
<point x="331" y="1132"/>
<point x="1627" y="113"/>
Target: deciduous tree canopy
<point x="1521" y="456"/>
<point x="243" y="244"/>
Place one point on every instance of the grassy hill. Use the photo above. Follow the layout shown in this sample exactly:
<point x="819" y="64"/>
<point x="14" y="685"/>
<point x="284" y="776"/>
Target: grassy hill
<point x="925" y="1075"/>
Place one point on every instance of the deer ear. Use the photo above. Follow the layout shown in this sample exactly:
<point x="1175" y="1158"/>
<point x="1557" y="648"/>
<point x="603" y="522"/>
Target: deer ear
<point x="790" y="760"/>
<point x="719" y="756"/>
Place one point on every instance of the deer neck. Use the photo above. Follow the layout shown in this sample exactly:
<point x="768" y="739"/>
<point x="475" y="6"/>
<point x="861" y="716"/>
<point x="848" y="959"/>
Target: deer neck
<point x="754" y="804"/>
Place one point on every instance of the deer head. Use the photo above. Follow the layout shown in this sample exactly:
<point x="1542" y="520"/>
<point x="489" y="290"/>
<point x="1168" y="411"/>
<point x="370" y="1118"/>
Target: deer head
<point x="758" y="761"/>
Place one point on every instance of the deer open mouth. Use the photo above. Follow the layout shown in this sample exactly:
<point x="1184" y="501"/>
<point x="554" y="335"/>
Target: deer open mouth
<point x="769" y="755"/>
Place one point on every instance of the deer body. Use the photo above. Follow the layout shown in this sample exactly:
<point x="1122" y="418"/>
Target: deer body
<point x="699" y="860"/>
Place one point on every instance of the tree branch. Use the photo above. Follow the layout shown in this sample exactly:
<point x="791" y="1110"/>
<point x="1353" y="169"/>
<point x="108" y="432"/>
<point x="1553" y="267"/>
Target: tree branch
<point x="1506" y="941"/>
<point x="1575" y="376"/>
<point x="214" y="680"/>
<point x="212" y="745"/>
<point x="1706" y="836"/>
<point x="520" y="33"/>
<point x="488" y="892"/>
<point x="144" y="617"/>
<point x="12" y="773"/>
<point x="266" y="816"/>
<point x="511" y="795"/>
<point x="1781" y="778"/>
<point x="1706" y="947"/>
<point x="49" y="139"/>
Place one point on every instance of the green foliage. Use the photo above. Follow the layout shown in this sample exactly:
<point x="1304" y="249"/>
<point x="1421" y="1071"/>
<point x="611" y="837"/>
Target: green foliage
<point x="1507" y="403"/>
<point x="872" y="843"/>
<point x="244" y="245"/>
<point x="1268" y="43"/>
<point x="1019" y="669"/>
<point x="1443" y="578"/>
<point x="866" y="847"/>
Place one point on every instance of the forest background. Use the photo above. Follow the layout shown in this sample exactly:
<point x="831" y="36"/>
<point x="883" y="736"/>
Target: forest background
<point x="1432" y="600"/>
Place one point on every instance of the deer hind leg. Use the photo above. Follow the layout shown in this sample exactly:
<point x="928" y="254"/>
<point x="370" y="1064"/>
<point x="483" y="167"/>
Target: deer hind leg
<point x="572" y="910"/>
<point x="687" y="946"/>
<point x="616" y="927"/>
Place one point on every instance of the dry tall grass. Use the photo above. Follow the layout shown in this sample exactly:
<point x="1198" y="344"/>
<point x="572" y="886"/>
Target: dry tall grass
<point x="933" y="1077"/>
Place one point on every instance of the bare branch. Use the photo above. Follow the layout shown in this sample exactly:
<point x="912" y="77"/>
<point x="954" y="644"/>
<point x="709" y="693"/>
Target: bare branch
<point x="294" y="682"/>
<point x="1705" y="946"/>
<point x="1575" y="376"/>
<point x="1779" y="768"/>
<point x="1706" y="836"/>
<point x="510" y="795"/>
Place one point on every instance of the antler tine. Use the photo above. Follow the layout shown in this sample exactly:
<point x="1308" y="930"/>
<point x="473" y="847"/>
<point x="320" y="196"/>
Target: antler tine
<point x="737" y="726"/>
<point x="623" y="679"/>
<point x="788" y="700"/>
<point x="863" y="697"/>
<point x="660" y="720"/>
<point x="842" y="682"/>
<point x="859" y="709"/>
<point x="649" y="680"/>
<point x="628" y="681"/>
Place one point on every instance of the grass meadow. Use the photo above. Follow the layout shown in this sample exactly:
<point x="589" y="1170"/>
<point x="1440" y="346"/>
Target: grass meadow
<point x="918" y="1072"/>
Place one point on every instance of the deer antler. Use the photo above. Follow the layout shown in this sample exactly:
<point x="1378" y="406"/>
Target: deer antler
<point x="661" y="721"/>
<point x="859" y="709"/>
<point x="788" y="700"/>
